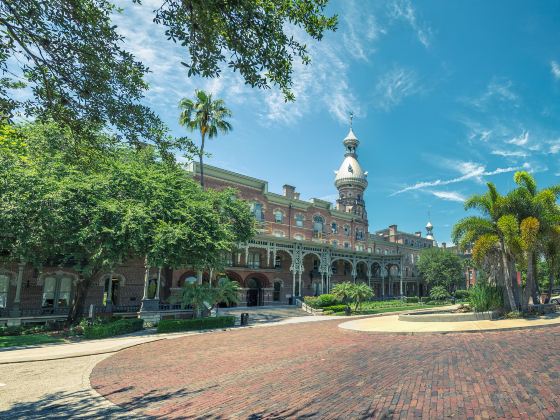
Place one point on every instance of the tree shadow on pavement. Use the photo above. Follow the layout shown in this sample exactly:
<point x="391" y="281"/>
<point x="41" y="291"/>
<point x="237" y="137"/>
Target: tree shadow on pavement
<point x="86" y="404"/>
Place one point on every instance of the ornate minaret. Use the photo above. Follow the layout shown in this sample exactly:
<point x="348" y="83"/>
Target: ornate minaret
<point x="351" y="180"/>
<point x="430" y="231"/>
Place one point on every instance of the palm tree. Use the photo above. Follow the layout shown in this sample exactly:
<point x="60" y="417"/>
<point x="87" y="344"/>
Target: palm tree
<point x="359" y="293"/>
<point x="226" y="292"/>
<point x="493" y="237"/>
<point x="343" y="291"/>
<point x="207" y="116"/>
<point x="539" y="217"/>
<point x="197" y="296"/>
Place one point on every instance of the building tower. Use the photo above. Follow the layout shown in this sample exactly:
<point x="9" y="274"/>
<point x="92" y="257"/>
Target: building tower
<point x="351" y="180"/>
<point x="430" y="231"/>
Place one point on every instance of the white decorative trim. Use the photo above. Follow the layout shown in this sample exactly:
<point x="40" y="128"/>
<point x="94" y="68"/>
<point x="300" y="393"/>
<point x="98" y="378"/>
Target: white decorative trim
<point x="57" y="273"/>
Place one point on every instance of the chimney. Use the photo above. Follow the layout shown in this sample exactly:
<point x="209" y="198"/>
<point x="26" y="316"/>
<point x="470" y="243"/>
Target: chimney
<point x="419" y="234"/>
<point x="296" y="195"/>
<point x="289" y="191"/>
<point x="392" y="230"/>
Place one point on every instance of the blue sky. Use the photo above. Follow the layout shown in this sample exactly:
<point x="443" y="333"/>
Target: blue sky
<point x="447" y="95"/>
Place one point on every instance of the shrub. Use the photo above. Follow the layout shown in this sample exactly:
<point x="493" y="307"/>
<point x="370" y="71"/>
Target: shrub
<point x="334" y="308"/>
<point x="461" y="294"/>
<point x="110" y="329"/>
<point x="412" y="299"/>
<point x="425" y="299"/>
<point x="10" y="331"/>
<point x="439" y="293"/>
<point x="485" y="297"/>
<point x="312" y="301"/>
<point x="328" y="300"/>
<point x="174" y="325"/>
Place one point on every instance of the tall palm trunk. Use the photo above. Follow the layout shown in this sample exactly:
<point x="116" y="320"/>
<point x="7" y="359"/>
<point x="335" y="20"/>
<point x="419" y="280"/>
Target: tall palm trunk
<point x="203" y="132"/>
<point x="507" y="278"/>
<point x="529" y="286"/>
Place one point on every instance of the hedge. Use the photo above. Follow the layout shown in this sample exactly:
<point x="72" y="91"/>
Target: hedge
<point x="335" y="308"/>
<point x="411" y="299"/>
<point x="173" y="325"/>
<point x="110" y="329"/>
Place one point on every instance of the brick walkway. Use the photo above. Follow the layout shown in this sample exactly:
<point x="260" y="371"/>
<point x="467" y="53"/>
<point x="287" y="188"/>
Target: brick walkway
<point x="319" y="370"/>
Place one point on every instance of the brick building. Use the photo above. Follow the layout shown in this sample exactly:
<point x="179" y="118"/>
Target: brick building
<point x="302" y="248"/>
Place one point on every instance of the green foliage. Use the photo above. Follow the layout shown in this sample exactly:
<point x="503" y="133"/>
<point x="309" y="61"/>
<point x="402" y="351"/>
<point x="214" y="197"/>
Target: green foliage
<point x="439" y="293"/>
<point x="208" y="116"/>
<point x="359" y="293"/>
<point x="197" y="296"/>
<point x="70" y="55"/>
<point x="440" y="267"/>
<point x="461" y="294"/>
<point x="248" y="36"/>
<point x="111" y="329"/>
<point x="92" y="207"/>
<point x="342" y="291"/>
<point x="335" y="308"/>
<point x="321" y="301"/>
<point x="485" y="297"/>
<point x="226" y="291"/>
<point x="10" y="331"/>
<point x="27" y="340"/>
<point x="174" y="325"/>
<point x="411" y="299"/>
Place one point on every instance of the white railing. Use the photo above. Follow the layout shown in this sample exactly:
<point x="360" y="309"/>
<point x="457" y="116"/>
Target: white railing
<point x="301" y="304"/>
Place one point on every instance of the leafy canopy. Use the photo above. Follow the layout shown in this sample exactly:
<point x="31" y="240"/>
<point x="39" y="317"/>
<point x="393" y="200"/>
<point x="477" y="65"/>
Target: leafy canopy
<point x="440" y="267"/>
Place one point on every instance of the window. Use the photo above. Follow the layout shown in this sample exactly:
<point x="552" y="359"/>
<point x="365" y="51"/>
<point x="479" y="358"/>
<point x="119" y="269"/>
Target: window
<point x="334" y="227"/>
<point x="298" y="237"/>
<point x="56" y="291"/>
<point x="318" y="223"/>
<point x="360" y="247"/>
<point x="279" y="233"/>
<point x="347" y="245"/>
<point x="347" y="230"/>
<point x="278" y="262"/>
<point x="315" y="264"/>
<point x="369" y="250"/>
<point x="278" y="216"/>
<point x="228" y="259"/>
<point x="299" y="220"/>
<point x="335" y="243"/>
<point x="257" y="210"/>
<point x="359" y="234"/>
<point x="4" y="287"/>
<point x="254" y="260"/>
<point x="347" y="268"/>
<point x="385" y="252"/>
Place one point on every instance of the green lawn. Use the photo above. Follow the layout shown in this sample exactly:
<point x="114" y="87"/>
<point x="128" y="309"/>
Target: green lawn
<point x="27" y="340"/>
<point x="369" y="308"/>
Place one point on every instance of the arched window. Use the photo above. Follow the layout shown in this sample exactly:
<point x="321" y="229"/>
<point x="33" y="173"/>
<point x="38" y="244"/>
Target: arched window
<point x="278" y="262"/>
<point x="346" y="245"/>
<point x="278" y="216"/>
<point x="299" y="220"/>
<point x="298" y="237"/>
<point x="334" y="227"/>
<point x="4" y="287"/>
<point x="279" y="233"/>
<point x="111" y="288"/>
<point x="359" y="234"/>
<point x="346" y="230"/>
<point x="318" y="223"/>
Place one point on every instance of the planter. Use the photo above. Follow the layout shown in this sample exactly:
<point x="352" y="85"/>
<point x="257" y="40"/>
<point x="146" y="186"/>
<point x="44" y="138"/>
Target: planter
<point x="433" y="316"/>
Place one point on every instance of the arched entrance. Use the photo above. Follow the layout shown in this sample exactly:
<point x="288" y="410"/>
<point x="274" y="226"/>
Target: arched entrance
<point x="254" y="292"/>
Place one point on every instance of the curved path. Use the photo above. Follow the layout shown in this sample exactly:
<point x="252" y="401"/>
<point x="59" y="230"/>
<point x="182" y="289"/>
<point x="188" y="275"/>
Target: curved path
<point x="323" y="371"/>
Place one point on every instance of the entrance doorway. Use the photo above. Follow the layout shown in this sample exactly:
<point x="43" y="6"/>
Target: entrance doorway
<point x="254" y="292"/>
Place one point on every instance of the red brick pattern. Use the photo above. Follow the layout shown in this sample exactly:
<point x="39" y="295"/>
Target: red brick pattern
<point x="319" y="370"/>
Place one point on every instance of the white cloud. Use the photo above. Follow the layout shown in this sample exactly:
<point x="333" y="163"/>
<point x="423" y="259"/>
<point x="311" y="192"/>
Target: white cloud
<point x="361" y="30"/>
<point x="554" y="147"/>
<point x="497" y="91"/>
<point x="509" y="153"/>
<point x="520" y="140"/>
<point x="555" y="69"/>
<point x="469" y="171"/>
<point x="394" y="86"/>
<point x="403" y="9"/>
<point x="448" y="195"/>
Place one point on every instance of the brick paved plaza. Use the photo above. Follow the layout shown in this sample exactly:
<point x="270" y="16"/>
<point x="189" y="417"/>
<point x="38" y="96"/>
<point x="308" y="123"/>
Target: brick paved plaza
<point x="319" y="370"/>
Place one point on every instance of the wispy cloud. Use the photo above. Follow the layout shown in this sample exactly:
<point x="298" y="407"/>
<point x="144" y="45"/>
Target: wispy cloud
<point x="469" y="171"/>
<point x="403" y="9"/>
<point x="361" y="30"/>
<point x="520" y="140"/>
<point x="509" y="153"/>
<point x="555" y="69"/>
<point x="498" y="91"/>
<point x="396" y="85"/>
<point x="448" y="195"/>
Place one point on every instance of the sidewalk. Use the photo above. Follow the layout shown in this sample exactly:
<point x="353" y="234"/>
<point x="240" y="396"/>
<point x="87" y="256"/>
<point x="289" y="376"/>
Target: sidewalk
<point x="392" y="325"/>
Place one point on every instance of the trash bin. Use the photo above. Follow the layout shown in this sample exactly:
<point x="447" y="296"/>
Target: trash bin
<point x="244" y="318"/>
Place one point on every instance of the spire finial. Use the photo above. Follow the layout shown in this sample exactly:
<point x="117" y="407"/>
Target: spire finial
<point x="351" y="118"/>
